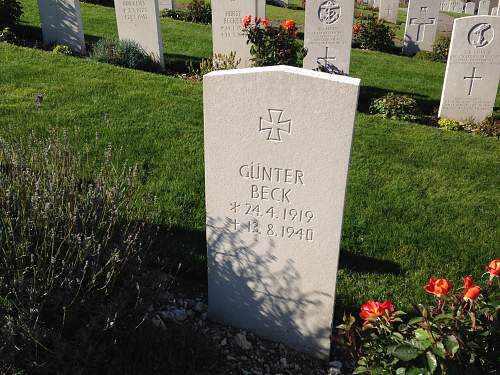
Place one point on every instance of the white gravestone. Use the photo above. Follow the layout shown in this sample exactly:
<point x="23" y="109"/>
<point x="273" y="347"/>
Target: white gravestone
<point x="456" y="6"/>
<point x="139" y="20"/>
<point x="444" y="5"/>
<point x="328" y="35"/>
<point x="166" y="4"/>
<point x="473" y="69"/>
<point x="277" y="147"/>
<point x="62" y="23"/>
<point x="227" y="28"/>
<point x="376" y="3"/>
<point x="484" y="8"/>
<point x="421" y="26"/>
<point x="470" y="8"/>
<point x="388" y="10"/>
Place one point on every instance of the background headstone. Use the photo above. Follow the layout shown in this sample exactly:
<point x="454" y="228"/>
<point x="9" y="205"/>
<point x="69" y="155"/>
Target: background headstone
<point x="456" y="6"/>
<point x="388" y="10"/>
<point x="444" y="5"/>
<point x="470" y="8"/>
<point x="139" y="20"/>
<point x="376" y="3"/>
<point x="274" y="212"/>
<point x="484" y="8"/>
<point x="62" y="23"/>
<point x="166" y="4"/>
<point x="494" y="11"/>
<point x="328" y="35"/>
<point x="227" y="18"/>
<point x="473" y="69"/>
<point x="421" y="26"/>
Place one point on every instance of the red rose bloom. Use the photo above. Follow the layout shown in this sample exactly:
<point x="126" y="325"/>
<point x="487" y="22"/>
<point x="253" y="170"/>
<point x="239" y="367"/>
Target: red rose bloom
<point x="494" y="268"/>
<point x="472" y="293"/>
<point x="439" y="287"/>
<point x="246" y="21"/>
<point x="356" y="28"/>
<point x="374" y="309"/>
<point x="288" y="25"/>
<point x="265" y="21"/>
<point x="468" y="282"/>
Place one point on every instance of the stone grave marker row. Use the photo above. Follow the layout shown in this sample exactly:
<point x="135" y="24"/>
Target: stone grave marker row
<point x="388" y="10"/>
<point x="421" y="26"/>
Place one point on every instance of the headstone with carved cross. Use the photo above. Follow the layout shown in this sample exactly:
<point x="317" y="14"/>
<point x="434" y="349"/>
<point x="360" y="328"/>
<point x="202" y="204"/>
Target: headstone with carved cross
<point x="328" y="35"/>
<point x="227" y="26"/>
<point x="139" y="21"/>
<point x="473" y="69"/>
<point x="277" y="146"/>
<point x="421" y="26"/>
<point x="484" y="8"/>
<point x="388" y="10"/>
<point x="62" y="23"/>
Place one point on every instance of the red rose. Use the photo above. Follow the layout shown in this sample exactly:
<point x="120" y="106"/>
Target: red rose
<point x="265" y="21"/>
<point x="468" y="282"/>
<point x="494" y="268"/>
<point x="374" y="309"/>
<point x="356" y="28"/>
<point x="288" y="25"/>
<point x="246" y="21"/>
<point x="439" y="287"/>
<point x="472" y="293"/>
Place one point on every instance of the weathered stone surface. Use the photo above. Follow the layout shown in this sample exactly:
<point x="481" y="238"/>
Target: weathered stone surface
<point x="139" y="20"/>
<point x="227" y="18"/>
<point x="484" y="8"/>
<point x="166" y="4"/>
<point x="470" y="8"/>
<point x="456" y="6"/>
<point x="388" y="10"/>
<point x="328" y="35"/>
<point x="277" y="147"/>
<point x="473" y="69"/>
<point x="62" y="23"/>
<point x="421" y="26"/>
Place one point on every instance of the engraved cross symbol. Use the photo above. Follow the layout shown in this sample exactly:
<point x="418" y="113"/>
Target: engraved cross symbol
<point x="326" y="61"/>
<point x="275" y="126"/>
<point x="389" y="11"/>
<point x="472" y="78"/>
<point x="422" y="22"/>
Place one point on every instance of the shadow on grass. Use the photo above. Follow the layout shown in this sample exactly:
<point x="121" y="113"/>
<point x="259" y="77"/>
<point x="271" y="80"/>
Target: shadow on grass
<point x="181" y="63"/>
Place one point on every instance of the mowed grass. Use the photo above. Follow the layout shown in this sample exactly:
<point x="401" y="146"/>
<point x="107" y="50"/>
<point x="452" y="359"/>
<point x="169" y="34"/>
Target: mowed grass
<point x="421" y="202"/>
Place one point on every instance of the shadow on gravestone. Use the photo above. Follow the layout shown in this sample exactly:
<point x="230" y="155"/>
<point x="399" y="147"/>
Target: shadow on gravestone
<point x="248" y="277"/>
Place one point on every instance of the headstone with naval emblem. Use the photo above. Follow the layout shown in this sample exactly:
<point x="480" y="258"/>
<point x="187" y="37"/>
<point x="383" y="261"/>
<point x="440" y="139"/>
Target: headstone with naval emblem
<point x="62" y="23"/>
<point x="276" y="161"/>
<point x="139" y="20"/>
<point x="328" y="35"/>
<point x="388" y="10"/>
<point x="421" y="26"/>
<point x="473" y="69"/>
<point x="227" y="29"/>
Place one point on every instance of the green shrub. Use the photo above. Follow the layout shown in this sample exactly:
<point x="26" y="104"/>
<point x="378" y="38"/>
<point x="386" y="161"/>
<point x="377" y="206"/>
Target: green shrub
<point x="449" y="124"/>
<point x="176" y="14"/>
<point x="219" y="62"/>
<point x="10" y="13"/>
<point x="458" y="334"/>
<point x="66" y="242"/>
<point x="273" y="45"/>
<point x="124" y="53"/>
<point x="62" y="50"/>
<point x="8" y="36"/>
<point x="199" y="11"/>
<point x="396" y="107"/>
<point x="439" y="51"/>
<point x="370" y="33"/>
<point x="488" y="127"/>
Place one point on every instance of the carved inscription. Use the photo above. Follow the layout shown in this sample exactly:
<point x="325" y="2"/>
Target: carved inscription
<point x="232" y="26"/>
<point x="135" y="10"/>
<point x="269" y="209"/>
<point x="275" y="126"/>
<point x="329" y="12"/>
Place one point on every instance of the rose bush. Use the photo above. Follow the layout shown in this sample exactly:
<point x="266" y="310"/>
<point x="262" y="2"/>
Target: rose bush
<point x="456" y="335"/>
<point x="272" y="45"/>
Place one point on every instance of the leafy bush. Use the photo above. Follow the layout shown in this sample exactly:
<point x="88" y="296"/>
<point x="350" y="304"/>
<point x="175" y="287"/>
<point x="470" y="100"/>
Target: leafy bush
<point x="8" y="36"/>
<point x="62" y="50"/>
<point x="219" y="62"/>
<point x="124" y="53"/>
<point x="273" y="45"/>
<point x="199" y="11"/>
<point x="10" y="13"/>
<point x="456" y="335"/>
<point x="449" y="124"/>
<point x="488" y="127"/>
<point x="370" y="33"/>
<point x="66" y="241"/>
<point x="396" y="107"/>
<point x="439" y="51"/>
<point x="176" y="14"/>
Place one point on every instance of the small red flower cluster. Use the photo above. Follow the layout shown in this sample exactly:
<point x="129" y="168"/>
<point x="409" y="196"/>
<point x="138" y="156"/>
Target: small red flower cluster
<point x="289" y="25"/>
<point x="248" y="19"/>
<point x="356" y="28"/>
<point x="439" y="287"/>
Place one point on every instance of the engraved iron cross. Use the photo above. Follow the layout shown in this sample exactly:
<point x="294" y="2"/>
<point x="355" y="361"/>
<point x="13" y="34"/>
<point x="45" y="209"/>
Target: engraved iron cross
<point x="275" y="126"/>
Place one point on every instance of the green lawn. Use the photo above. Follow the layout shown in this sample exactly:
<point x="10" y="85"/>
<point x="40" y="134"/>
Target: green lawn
<point x="421" y="202"/>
